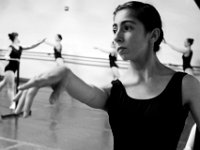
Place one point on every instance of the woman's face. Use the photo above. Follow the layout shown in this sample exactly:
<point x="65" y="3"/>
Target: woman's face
<point x="16" y="41"/>
<point x="186" y="43"/>
<point x="57" y="38"/>
<point x="132" y="41"/>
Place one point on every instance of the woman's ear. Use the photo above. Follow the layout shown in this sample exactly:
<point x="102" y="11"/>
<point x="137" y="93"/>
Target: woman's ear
<point x="155" y="34"/>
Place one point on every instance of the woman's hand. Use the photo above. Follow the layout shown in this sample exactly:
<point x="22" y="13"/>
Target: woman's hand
<point x="43" y="40"/>
<point x="55" y="78"/>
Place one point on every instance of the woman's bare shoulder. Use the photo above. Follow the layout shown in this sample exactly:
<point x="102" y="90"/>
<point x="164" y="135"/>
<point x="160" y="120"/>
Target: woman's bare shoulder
<point x="190" y="88"/>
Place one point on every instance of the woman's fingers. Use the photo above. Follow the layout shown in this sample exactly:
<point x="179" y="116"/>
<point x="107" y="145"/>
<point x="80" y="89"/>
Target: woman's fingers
<point x="53" y="98"/>
<point x="54" y="95"/>
<point x="36" y="81"/>
<point x="46" y="79"/>
<point x="56" y="77"/>
<point x="17" y="96"/>
<point x="31" y="93"/>
<point x="25" y="101"/>
<point x="20" y="103"/>
<point x="57" y="90"/>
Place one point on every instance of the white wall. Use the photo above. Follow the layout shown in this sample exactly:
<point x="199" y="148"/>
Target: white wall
<point x="88" y="23"/>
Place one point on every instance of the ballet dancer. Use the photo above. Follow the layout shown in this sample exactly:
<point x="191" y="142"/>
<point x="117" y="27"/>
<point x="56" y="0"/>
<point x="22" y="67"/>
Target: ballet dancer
<point x="57" y="47"/>
<point x="112" y="60"/>
<point x="187" y="54"/>
<point x="13" y="56"/>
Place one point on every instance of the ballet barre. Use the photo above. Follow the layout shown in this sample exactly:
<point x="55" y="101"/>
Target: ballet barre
<point x="10" y="59"/>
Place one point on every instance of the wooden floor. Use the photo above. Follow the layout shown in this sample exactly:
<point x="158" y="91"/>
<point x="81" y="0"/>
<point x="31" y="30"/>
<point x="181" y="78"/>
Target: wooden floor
<point x="66" y="125"/>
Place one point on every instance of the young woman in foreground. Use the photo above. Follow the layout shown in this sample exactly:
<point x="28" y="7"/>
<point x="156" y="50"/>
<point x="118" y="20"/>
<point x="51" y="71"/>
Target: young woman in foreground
<point x="148" y="107"/>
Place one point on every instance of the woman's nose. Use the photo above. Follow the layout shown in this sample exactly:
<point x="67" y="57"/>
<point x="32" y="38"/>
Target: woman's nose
<point x="118" y="37"/>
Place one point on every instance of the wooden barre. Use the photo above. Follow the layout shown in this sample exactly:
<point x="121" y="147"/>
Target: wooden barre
<point x="10" y="59"/>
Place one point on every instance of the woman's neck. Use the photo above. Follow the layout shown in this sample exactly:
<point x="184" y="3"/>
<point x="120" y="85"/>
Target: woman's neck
<point x="15" y="45"/>
<point x="145" y="70"/>
<point x="188" y="48"/>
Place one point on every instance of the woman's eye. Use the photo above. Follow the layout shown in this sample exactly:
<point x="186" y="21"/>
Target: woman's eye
<point x="114" y="30"/>
<point x="127" y="28"/>
<point x="123" y="28"/>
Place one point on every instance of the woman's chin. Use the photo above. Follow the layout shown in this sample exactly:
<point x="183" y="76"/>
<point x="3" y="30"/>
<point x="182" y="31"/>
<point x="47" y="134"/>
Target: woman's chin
<point x="124" y="57"/>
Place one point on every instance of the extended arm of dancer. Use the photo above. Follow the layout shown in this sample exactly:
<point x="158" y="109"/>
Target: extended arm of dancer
<point x="107" y="51"/>
<point x="180" y="50"/>
<point x="77" y="88"/>
<point x="1" y="49"/>
<point x="102" y="50"/>
<point x="34" y="45"/>
<point x="49" y="43"/>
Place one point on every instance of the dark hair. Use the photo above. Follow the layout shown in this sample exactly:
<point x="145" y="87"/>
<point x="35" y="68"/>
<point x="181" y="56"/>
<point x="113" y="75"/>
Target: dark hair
<point x="148" y="15"/>
<point x="59" y="36"/>
<point x="190" y="40"/>
<point x="12" y="36"/>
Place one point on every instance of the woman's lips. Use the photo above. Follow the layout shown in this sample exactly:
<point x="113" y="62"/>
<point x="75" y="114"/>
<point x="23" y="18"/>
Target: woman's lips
<point x="121" y="50"/>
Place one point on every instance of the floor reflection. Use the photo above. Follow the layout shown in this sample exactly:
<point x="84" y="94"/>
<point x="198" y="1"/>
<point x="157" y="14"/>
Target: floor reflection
<point x="67" y="124"/>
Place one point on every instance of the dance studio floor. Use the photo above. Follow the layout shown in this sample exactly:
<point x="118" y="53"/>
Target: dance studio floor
<point x="66" y="125"/>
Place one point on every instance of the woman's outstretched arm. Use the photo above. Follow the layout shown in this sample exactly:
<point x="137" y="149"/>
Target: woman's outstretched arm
<point x="180" y="50"/>
<point x="34" y="45"/>
<point x="67" y="80"/>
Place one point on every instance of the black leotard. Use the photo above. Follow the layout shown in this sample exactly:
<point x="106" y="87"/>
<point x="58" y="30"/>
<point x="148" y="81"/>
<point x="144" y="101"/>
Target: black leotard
<point x="16" y="54"/>
<point x="113" y="60"/>
<point x="57" y="53"/>
<point x="187" y="60"/>
<point x="149" y="124"/>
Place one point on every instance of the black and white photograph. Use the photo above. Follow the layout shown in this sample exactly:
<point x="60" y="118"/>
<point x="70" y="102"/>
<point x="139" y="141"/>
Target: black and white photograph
<point x="99" y="75"/>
